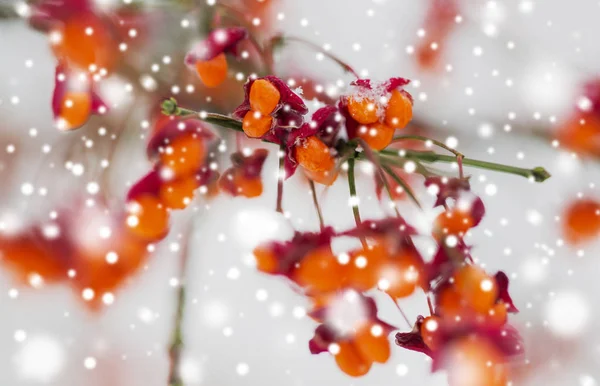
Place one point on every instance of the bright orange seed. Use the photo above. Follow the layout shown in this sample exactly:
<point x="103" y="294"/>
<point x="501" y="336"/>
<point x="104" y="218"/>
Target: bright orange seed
<point x="372" y="343"/>
<point x="84" y="41"/>
<point x="255" y="125"/>
<point x="399" y="110"/>
<point x="326" y="177"/>
<point x="264" y="97"/>
<point x="147" y="218"/>
<point x="350" y="361"/>
<point x="75" y="109"/>
<point x="497" y="315"/>
<point x="430" y="331"/>
<point x="363" y="110"/>
<point x="475" y="361"/>
<point x="314" y="155"/>
<point x="580" y="134"/>
<point x="248" y="187"/>
<point x="266" y="261"/>
<point x="582" y="221"/>
<point x="476" y="287"/>
<point x="212" y="72"/>
<point x="400" y="276"/>
<point x="366" y="266"/>
<point x="451" y="305"/>
<point x="319" y="271"/>
<point x="178" y="194"/>
<point x="452" y="222"/>
<point x="184" y="155"/>
<point x="378" y="135"/>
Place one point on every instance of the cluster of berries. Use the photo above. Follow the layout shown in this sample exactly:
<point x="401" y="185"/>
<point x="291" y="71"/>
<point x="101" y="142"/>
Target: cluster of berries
<point x="467" y="328"/>
<point x="387" y="261"/>
<point x="467" y="331"/>
<point x="86" y="246"/>
<point x="468" y="319"/>
<point x="184" y="162"/>
<point x="581" y="132"/>
<point x="85" y="42"/>
<point x="180" y="150"/>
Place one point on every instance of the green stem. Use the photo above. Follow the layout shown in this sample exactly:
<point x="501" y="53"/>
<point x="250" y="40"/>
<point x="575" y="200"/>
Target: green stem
<point x="176" y="346"/>
<point x="538" y="174"/>
<point x="395" y="160"/>
<point x="316" y="203"/>
<point x="402" y="183"/>
<point x="353" y="196"/>
<point x="425" y="139"/>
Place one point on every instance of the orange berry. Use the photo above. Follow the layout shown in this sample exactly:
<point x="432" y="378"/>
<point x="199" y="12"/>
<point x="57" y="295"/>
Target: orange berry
<point x="95" y="272"/>
<point x="400" y="276"/>
<point x="85" y="41"/>
<point x="321" y="300"/>
<point x="372" y="343"/>
<point x="212" y="72"/>
<point x="451" y="305"/>
<point x="426" y="57"/>
<point x="350" y="361"/>
<point x="430" y="331"/>
<point x="314" y="155"/>
<point x="266" y="261"/>
<point x="75" y="108"/>
<point x="474" y="361"/>
<point x="29" y="257"/>
<point x="184" y="155"/>
<point x="378" y="135"/>
<point x="497" y="315"/>
<point x="179" y="193"/>
<point x="581" y="221"/>
<point x="399" y="110"/>
<point x="366" y="267"/>
<point x="147" y="217"/>
<point x="580" y="134"/>
<point x="248" y="187"/>
<point x="326" y="177"/>
<point x="319" y="271"/>
<point x="255" y="125"/>
<point x="452" y="222"/>
<point x="476" y="287"/>
<point x="264" y="97"/>
<point x="363" y="110"/>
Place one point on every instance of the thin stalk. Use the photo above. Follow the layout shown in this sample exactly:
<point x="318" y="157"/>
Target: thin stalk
<point x="345" y="66"/>
<point x="461" y="171"/>
<point x="392" y="158"/>
<point x="316" y="203"/>
<point x="240" y="19"/>
<point x="386" y="185"/>
<point x="430" y="305"/>
<point x="425" y="139"/>
<point x="374" y="158"/>
<point x="353" y="196"/>
<point x="176" y="346"/>
<point x="280" y="178"/>
<point x="401" y="311"/>
<point x="538" y="174"/>
<point x="402" y="183"/>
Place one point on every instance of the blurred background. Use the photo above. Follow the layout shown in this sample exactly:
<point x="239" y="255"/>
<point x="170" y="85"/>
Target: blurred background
<point x="499" y="80"/>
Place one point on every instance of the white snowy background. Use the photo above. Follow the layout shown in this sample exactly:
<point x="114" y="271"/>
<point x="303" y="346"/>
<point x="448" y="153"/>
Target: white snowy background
<point x="513" y="66"/>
